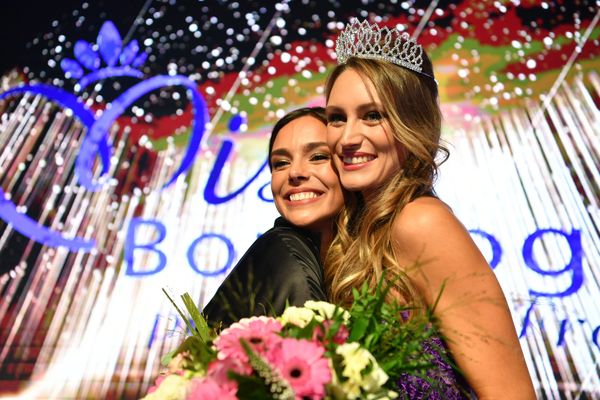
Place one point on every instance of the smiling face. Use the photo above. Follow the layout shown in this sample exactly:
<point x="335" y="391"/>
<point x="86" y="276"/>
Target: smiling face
<point x="306" y="188"/>
<point x="359" y="134"/>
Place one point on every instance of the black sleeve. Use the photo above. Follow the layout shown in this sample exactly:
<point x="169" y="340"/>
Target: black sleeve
<point x="280" y="267"/>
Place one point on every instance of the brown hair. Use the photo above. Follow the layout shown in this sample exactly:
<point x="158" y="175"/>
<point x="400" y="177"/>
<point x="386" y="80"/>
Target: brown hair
<point x="362" y="249"/>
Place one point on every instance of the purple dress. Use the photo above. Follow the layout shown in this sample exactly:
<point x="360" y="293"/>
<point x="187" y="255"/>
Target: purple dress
<point x="443" y="381"/>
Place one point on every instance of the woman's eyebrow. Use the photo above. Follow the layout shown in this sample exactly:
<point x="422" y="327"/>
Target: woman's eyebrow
<point x="306" y="148"/>
<point x="279" y="152"/>
<point x="314" y="145"/>
<point x="360" y="107"/>
<point x="369" y="106"/>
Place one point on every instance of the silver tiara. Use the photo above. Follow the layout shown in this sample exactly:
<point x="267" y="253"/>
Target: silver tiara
<point x="363" y="40"/>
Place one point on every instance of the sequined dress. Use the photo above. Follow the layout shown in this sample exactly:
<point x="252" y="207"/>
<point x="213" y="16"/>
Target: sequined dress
<point x="443" y="381"/>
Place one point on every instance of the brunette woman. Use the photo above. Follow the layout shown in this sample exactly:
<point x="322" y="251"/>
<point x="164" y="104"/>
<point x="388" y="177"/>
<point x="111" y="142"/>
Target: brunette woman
<point x="284" y="265"/>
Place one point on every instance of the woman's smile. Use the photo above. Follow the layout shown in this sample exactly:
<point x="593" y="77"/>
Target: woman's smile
<point x="359" y="134"/>
<point x="304" y="196"/>
<point x="356" y="160"/>
<point x="306" y="188"/>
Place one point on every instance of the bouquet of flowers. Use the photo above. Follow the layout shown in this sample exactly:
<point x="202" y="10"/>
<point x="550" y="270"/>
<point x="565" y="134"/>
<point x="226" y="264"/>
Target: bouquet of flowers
<point x="319" y="351"/>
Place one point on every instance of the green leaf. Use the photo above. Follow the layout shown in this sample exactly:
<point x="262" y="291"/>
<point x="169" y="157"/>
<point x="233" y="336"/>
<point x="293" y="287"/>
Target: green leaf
<point x="202" y="329"/>
<point x="166" y="359"/>
<point x="250" y="387"/>
<point x="183" y="316"/>
<point x="379" y="326"/>
<point x="199" y="353"/>
<point x="355" y="293"/>
<point x="358" y="330"/>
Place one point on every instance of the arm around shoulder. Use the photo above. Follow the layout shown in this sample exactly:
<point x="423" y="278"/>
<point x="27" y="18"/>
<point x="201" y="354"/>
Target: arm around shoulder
<point x="279" y="268"/>
<point x="445" y="265"/>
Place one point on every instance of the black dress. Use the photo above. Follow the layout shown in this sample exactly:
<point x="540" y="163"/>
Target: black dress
<point x="281" y="267"/>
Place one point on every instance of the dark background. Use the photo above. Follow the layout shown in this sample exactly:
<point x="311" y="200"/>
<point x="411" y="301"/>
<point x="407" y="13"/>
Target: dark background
<point x="24" y="21"/>
<point x="21" y="21"/>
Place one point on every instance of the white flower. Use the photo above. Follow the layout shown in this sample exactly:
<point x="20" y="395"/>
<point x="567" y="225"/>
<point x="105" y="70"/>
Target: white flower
<point x="173" y="387"/>
<point x="355" y="360"/>
<point x="388" y="395"/>
<point x="374" y="380"/>
<point x="326" y="310"/>
<point x="317" y="310"/>
<point x="299" y="316"/>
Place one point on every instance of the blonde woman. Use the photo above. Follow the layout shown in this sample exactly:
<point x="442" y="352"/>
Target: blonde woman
<point x="384" y="125"/>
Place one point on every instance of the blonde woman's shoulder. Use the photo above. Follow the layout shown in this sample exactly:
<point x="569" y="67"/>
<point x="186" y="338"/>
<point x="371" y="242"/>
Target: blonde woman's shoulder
<point x="423" y="214"/>
<point x="449" y="271"/>
<point x="427" y="231"/>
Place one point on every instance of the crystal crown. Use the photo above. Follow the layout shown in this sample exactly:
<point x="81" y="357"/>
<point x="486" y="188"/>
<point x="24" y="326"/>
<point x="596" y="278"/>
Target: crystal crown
<point x="363" y="40"/>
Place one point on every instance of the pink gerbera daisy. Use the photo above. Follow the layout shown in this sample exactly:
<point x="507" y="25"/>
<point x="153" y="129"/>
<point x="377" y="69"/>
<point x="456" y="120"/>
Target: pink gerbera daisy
<point x="218" y="369"/>
<point x="259" y="332"/>
<point x="302" y="363"/>
<point x="208" y="389"/>
<point x="157" y="383"/>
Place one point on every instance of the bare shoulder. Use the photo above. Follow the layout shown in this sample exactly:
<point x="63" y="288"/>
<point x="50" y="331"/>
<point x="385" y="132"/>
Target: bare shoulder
<point x="424" y="218"/>
<point x="426" y="232"/>
<point x="448" y="270"/>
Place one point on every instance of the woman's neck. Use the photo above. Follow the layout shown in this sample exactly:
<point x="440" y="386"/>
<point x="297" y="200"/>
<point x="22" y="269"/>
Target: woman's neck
<point x="326" y="239"/>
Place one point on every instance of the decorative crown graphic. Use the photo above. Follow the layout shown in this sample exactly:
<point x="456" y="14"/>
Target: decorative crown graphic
<point x="119" y="61"/>
<point x="363" y="40"/>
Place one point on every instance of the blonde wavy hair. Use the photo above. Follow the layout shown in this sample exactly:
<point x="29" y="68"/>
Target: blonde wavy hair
<point x="362" y="249"/>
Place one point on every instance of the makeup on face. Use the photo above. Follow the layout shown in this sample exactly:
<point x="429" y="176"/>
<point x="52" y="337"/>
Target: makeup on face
<point x="364" y="150"/>
<point x="306" y="188"/>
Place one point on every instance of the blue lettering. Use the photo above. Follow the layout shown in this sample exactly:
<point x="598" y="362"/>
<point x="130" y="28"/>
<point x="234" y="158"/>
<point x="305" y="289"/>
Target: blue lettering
<point x="564" y="324"/>
<point x="21" y="222"/>
<point x="66" y="99"/>
<point x="574" y="265"/>
<point x="131" y="246"/>
<point x="261" y="193"/>
<point x="153" y="333"/>
<point x="496" y="248"/>
<point x="30" y="228"/>
<point x="108" y="72"/>
<point x="96" y="143"/>
<point x="230" y="255"/>
<point x="527" y="319"/>
<point x="97" y="135"/>
<point x="210" y="194"/>
<point x="235" y="123"/>
<point x="170" y="317"/>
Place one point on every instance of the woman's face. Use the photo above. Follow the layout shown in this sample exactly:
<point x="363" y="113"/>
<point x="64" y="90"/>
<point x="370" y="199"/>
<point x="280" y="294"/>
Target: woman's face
<point x="306" y="188"/>
<point x="364" y="150"/>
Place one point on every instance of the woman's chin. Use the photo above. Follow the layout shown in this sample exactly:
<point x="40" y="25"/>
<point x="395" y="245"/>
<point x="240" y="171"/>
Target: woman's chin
<point x="308" y="221"/>
<point x="355" y="185"/>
